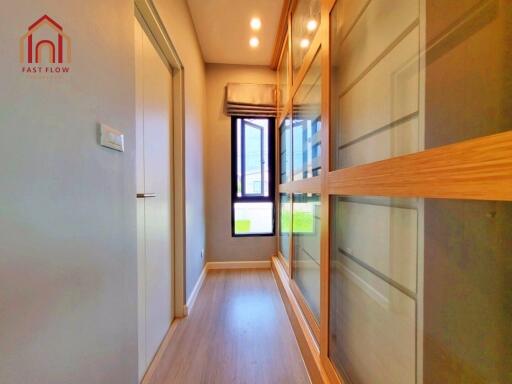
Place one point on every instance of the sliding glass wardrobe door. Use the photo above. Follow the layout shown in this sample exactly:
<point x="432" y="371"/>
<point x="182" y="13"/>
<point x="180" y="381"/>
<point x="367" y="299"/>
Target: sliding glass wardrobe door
<point x="420" y="258"/>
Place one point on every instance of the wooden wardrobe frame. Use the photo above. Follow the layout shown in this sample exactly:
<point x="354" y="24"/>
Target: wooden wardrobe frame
<point x="476" y="169"/>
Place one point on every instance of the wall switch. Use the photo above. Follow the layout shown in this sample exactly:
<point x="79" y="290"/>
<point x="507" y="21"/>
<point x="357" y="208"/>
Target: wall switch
<point x="202" y="254"/>
<point x="111" y="138"/>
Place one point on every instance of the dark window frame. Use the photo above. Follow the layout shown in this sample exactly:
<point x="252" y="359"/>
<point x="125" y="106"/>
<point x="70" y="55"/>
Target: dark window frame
<point x="251" y="198"/>
<point x="243" y="165"/>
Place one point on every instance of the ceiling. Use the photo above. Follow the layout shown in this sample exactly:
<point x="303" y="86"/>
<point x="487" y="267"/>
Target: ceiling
<point x="223" y="29"/>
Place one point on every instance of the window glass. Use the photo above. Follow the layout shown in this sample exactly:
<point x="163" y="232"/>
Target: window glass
<point x="285" y="217"/>
<point x="306" y="241"/>
<point x="307" y="124"/>
<point x="252" y="154"/>
<point x="252" y="176"/>
<point x="253" y="218"/>
<point x="305" y="24"/>
<point x="286" y="151"/>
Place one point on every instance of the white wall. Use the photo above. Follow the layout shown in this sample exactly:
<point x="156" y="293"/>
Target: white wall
<point x="220" y="245"/>
<point x="178" y="22"/>
<point x="68" y="278"/>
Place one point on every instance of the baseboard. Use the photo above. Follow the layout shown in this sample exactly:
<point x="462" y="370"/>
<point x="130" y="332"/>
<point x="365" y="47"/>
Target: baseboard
<point x="265" y="264"/>
<point x="193" y="296"/>
<point x="305" y="338"/>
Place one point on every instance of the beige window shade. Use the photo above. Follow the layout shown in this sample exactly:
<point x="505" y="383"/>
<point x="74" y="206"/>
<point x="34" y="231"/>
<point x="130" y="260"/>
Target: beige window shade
<point x="251" y="99"/>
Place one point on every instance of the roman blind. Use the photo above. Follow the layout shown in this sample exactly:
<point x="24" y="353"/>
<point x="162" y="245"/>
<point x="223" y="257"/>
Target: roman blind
<point x="251" y="100"/>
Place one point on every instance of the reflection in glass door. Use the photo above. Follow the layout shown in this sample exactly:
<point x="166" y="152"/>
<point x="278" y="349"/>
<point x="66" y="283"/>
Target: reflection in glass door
<point x="285" y="225"/>
<point x="307" y="124"/>
<point x="306" y="249"/>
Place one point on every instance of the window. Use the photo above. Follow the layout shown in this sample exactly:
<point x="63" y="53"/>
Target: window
<point x="252" y="170"/>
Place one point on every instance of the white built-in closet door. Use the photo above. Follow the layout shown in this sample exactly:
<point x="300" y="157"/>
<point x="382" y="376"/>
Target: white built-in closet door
<point x="153" y="82"/>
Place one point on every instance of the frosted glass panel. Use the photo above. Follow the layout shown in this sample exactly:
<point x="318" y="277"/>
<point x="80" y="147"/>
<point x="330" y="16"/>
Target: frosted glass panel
<point x="305" y="24"/>
<point x="306" y="240"/>
<point x="374" y="81"/>
<point x="382" y="233"/>
<point x="307" y="124"/>
<point x="372" y="329"/>
<point x="376" y="87"/>
<point x="468" y="292"/>
<point x="468" y="90"/>
<point x="283" y="77"/>
<point x="458" y="303"/>
<point x="285" y="154"/>
<point x="373" y="289"/>
<point x="449" y="322"/>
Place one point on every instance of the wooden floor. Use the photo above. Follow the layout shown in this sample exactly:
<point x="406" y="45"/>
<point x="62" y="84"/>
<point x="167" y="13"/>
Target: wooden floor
<point x="238" y="332"/>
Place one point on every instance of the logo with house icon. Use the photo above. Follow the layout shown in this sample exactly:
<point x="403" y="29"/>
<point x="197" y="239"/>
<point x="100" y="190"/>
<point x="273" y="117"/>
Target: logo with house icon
<point x="44" y="47"/>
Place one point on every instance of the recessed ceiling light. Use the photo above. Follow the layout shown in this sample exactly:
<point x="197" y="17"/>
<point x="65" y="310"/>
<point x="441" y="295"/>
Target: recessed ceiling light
<point x="255" y="23"/>
<point x="311" y="25"/>
<point x="304" y="43"/>
<point x="254" y="42"/>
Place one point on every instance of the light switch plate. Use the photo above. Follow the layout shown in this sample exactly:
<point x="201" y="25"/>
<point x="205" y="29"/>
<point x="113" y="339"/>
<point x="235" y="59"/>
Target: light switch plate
<point x="111" y="138"/>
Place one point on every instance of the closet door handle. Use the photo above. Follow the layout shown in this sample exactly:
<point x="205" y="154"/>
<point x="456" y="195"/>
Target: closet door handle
<point x="145" y="195"/>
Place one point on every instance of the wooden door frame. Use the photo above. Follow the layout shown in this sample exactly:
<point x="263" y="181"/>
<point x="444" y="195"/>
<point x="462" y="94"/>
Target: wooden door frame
<point x="147" y="14"/>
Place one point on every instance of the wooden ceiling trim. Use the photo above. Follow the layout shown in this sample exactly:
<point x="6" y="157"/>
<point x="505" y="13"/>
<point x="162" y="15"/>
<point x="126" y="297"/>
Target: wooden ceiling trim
<point x="281" y="33"/>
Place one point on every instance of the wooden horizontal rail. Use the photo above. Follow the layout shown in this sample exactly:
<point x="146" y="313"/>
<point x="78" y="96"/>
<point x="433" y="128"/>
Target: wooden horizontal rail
<point x="311" y="185"/>
<point x="477" y="169"/>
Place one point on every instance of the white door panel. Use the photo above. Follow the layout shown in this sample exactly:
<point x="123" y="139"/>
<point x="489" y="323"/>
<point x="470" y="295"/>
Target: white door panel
<point x="153" y="177"/>
<point x="157" y="101"/>
<point x="141" y="258"/>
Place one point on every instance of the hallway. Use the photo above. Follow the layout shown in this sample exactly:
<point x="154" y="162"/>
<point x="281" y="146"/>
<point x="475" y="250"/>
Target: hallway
<point x="256" y="192"/>
<point x="237" y="332"/>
